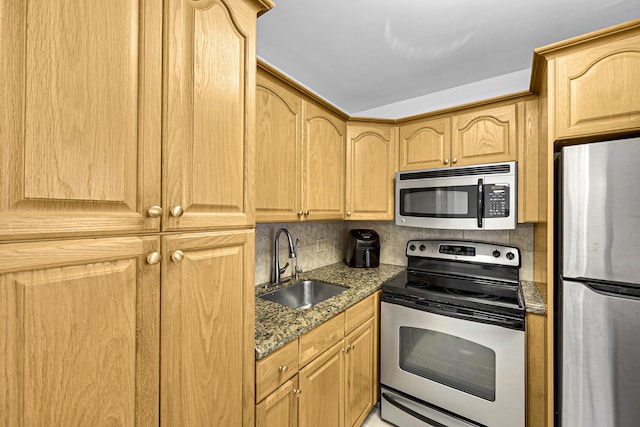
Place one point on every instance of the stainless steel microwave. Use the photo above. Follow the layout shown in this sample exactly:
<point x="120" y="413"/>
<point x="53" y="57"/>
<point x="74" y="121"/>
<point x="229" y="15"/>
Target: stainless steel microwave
<point x="479" y="197"/>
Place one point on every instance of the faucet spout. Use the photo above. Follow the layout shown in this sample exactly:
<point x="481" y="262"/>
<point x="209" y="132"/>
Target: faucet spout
<point x="277" y="271"/>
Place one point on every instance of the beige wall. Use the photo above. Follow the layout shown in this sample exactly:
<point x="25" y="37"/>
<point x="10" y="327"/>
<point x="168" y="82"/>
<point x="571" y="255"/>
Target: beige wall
<point x="393" y="240"/>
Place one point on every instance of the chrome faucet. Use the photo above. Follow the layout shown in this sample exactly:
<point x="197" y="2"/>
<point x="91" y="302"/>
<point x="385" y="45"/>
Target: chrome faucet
<point x="277" y="271"/>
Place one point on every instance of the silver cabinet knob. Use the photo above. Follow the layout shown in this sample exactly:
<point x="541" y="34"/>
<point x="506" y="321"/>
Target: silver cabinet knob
<point x="454" y="160"/>
<point x="296" y="392"/>
<point x="306" y="213"/>
<point x="155" y="212"/>
<point x="348" y="213"/>
<point x="177" y="211"/>
<point x="283" y="368"/>
<point x="153" y="258"/>
<point x="300" y="213"/>
<point x="177" y="256"/>
<point x="446" y="161"/>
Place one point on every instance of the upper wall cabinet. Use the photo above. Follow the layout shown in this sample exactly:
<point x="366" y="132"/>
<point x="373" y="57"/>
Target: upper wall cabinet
<point x="484" y="135"/>
<point x="323" y="160"/>
<point x="425" y="144"/>
<point x="80" y="123"/>
<point x="371" y="164"/>
<point x="300" y="156"/>
<point x="279" y="151"/>
<point x="598" y="88"/>
<point x="479" y="135"/>
<point x="208" y="127"/>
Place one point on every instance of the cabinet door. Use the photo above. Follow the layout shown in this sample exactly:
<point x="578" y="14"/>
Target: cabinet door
<point x="79" y="340"/>
<point x="323" y="157"/>
<point x="484" y="136"/>
<point x="359" y="368"/>
<point x="207" y="329"/>
<point x="209" y="114"/>
<point x="371" y="164"/>
<point x="322" y="390"/>
<point x="597" y="89"/>
<point x="279" y="152"/>
<point x="280" y="408"/>
<point x="528" y="158"/>
<point x="80" y="122"/>
<point x="425" y="144"/>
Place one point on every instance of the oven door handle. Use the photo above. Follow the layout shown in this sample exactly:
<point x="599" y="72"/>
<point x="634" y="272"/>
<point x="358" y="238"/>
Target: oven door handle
<point x="411" y="412"/>
<point x="480" y="201"/>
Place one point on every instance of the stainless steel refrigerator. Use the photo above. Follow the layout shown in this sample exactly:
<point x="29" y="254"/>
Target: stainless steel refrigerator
<point x="598" y="335"/>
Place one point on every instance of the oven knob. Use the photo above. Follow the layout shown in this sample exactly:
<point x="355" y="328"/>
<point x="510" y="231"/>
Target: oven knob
<point x="510" y="256"/>
<point x="423" y="247"/>
<point x="412" y="247"/>
<point x="496" y="253"/>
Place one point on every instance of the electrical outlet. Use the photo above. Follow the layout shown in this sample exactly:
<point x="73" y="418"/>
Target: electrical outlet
<point x="320" y="244"/>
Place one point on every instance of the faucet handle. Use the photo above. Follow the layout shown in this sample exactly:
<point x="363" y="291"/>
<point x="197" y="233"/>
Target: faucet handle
<point x="283" y="269"/>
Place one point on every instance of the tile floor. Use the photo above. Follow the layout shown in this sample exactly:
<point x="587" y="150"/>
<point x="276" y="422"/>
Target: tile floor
<point x="374" y="420"/>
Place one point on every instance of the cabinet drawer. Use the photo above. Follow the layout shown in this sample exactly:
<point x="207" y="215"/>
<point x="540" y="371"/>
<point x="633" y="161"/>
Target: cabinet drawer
<point x="359" y="313"/>
<point x="275" y="369"/>
<point x="315" y="342"/>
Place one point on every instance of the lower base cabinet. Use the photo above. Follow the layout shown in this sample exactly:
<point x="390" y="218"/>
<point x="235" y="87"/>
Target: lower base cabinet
<point x="337" y="386"/>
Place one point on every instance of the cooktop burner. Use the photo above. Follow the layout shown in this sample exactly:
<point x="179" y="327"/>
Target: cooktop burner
<point x="484" y="278"/>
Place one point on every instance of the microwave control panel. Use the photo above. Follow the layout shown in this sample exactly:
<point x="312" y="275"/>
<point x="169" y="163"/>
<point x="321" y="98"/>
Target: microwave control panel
<point x="496" y="200"/>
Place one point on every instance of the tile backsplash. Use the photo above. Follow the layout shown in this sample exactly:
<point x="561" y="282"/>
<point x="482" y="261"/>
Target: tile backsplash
<point x="324" y="243"/>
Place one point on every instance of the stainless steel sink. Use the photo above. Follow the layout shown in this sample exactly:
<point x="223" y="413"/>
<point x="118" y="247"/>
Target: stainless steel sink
<point x="304" y="294"/>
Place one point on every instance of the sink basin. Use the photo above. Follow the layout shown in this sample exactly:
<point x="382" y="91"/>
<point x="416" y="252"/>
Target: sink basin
<point x="304" y="294"/>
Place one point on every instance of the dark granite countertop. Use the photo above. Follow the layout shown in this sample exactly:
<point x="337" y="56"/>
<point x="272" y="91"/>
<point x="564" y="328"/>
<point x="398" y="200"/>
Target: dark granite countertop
<point x="277" y="325"/>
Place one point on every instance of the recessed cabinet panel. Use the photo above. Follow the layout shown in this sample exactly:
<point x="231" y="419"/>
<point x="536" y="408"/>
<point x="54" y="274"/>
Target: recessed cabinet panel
<point x="371" y="159"/>
<point x="208" y="154"/>
<point x="323" y="172"/>
<point x="80" y="324"/>
<point x="425" y="144"/>
<point x="207" y="316"/>
<point x="487" y="135"/>
<point x="80" y="125"/>
<point x="598" y="89"/>
<point x="279" y="148"/>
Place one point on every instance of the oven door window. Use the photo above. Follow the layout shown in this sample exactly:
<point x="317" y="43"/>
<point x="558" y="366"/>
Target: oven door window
<point x="449" y="360"/>
<point x="440" y="202"/>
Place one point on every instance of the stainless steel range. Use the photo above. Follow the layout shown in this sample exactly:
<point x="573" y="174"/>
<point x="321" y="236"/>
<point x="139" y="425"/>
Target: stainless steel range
<point x="452" y="337"/>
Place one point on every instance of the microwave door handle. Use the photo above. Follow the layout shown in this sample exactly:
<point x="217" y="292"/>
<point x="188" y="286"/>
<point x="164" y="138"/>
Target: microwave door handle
<point x="480" y="201"/>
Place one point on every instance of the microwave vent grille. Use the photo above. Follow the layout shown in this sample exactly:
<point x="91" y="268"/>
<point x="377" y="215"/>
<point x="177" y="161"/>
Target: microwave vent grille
<point x="465" y="171"/>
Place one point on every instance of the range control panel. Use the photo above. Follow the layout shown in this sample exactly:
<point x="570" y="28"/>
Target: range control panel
<point x="482" y="252"/>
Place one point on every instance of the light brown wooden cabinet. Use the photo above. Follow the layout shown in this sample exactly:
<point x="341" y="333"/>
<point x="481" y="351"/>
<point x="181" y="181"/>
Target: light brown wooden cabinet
<point x="598" y="88"/>
<point x="80" y="151"/>
<point x="281" y="407"/>
<point x="82" y="138"/>
<point x="425" y="144"/>
<point x="300" y="155"/>
<point x="80" y="332"/>
<point x="370" y="167"/>
<point x="207" y="328"/>
<point x="152" y="132"/>
<point x="336" y="383"/>
<point x="483" y="134"/>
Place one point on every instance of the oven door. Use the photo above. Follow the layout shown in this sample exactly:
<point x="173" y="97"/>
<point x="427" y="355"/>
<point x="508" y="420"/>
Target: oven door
<point x="475" y="370"/>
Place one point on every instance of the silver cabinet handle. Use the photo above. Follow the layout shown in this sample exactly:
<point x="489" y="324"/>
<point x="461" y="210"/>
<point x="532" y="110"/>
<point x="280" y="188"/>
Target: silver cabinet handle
<point x="446" y="161"/>
<point x="155" y="211"/>
<point x="348" y="213"/>
<point x="177" y="256"/>
<point x="300" y="213"/>
<point x="153" y="258"/>
<point x="283" y="368"/>
<point x="306" y="213"/>
<point x="454" y="160"/>
<point x="177" y="211"/>
<point x="296" y="392"/>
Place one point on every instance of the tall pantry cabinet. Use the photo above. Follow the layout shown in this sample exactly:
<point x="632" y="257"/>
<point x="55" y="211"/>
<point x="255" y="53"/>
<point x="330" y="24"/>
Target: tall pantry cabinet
<point x="126" y="212"/>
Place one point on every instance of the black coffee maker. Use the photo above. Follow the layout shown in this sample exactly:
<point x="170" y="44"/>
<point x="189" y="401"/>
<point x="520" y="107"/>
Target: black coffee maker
<point x="363" y="249"/>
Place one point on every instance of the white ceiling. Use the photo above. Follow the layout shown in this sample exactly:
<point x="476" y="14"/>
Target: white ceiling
<point x="385" y="58"/>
